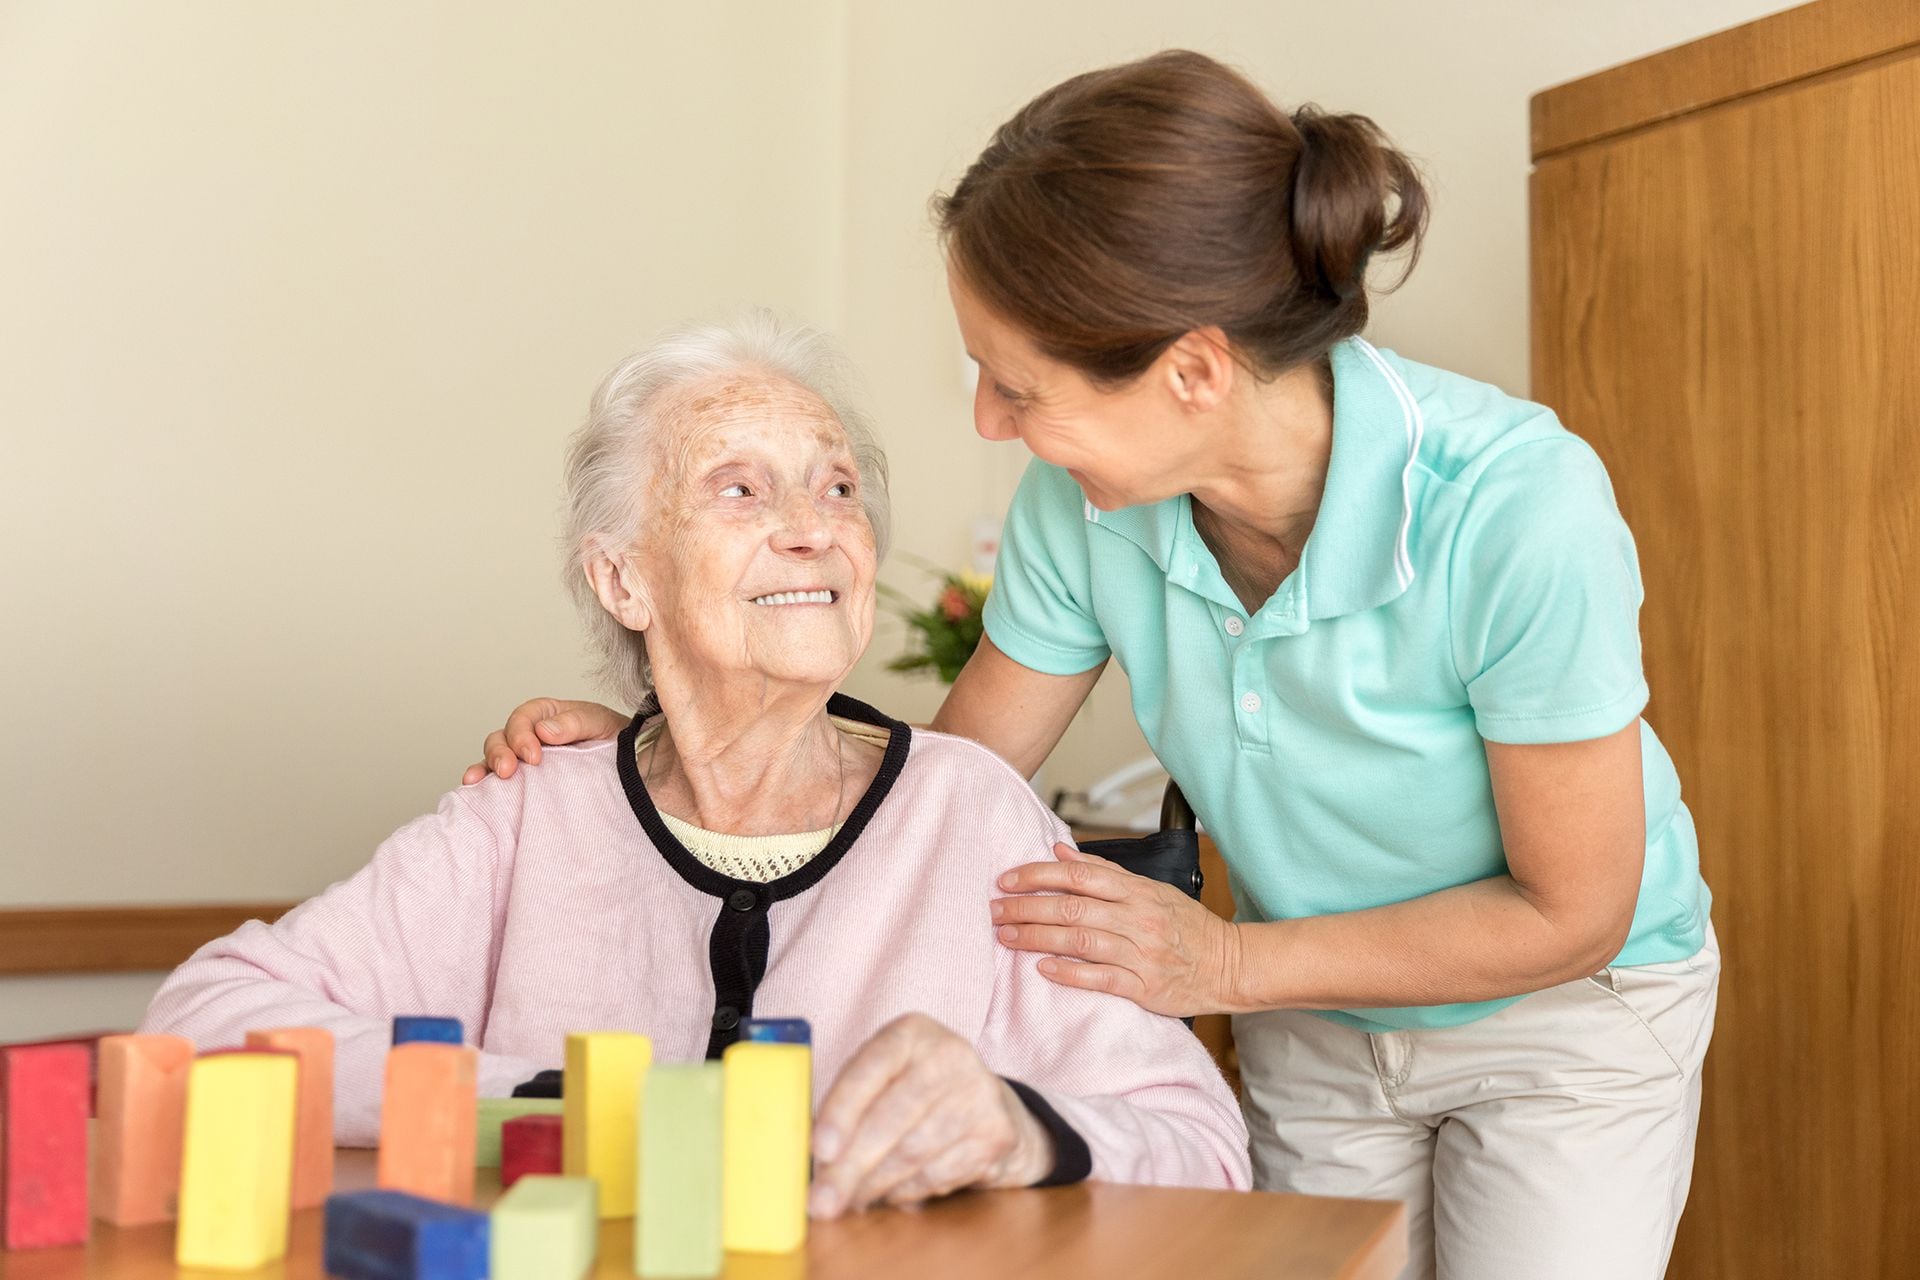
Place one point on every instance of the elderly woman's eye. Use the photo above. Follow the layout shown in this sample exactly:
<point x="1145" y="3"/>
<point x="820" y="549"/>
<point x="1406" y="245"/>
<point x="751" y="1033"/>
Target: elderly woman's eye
<point x="842" y="489"/>
<point x="736" y="491"/>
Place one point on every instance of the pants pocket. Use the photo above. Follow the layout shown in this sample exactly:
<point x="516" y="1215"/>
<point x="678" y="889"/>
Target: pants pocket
<point x="1673" y="1004"/>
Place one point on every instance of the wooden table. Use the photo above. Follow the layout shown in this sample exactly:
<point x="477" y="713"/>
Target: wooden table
<point x="1068" y="1233"/>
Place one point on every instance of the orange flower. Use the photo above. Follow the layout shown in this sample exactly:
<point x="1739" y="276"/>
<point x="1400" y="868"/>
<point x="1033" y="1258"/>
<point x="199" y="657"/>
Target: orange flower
<point x="953" y="603"/>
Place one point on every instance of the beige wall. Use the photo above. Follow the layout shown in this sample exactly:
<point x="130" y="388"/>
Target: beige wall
<point x="297" y="303"/>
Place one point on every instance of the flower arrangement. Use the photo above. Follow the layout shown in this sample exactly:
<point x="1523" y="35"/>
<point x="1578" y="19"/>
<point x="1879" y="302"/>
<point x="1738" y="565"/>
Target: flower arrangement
<point x="944" y="635"/>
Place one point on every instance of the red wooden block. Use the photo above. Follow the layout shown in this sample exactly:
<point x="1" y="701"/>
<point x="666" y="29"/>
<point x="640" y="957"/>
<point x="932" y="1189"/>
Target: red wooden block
<point x="529" y="1144"/>
<point x="90" y="1041"/>
<point x="44" y="1092"/>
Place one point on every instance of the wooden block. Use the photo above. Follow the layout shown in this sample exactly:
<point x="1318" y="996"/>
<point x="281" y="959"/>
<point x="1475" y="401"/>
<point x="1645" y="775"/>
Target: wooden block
<point x="90" y="1041"/>
<point x="43" y="1144"/>
<point x="143" y="1119"/>
<point x="491" y="1113"/>
<point x="680" y="1188"/>
<point x="531" y="1145"/>
<point x="768" y="1131"/>
<point x="413" y="1029"/>
<point x="777" y="1030"/>
<point x="390" y="1235"/>
<point x="313" y="1112"/>
<point x="546" y="1228"/>
<point x="427" y="1121"/>
<point x="602" y="1113"/>
<point x="236" y="1171"/>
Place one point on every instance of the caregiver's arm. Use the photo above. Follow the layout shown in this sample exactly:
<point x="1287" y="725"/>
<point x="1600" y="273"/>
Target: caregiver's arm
<point x="1572" y="818"/>
<point x="1016" y="712"/>
<point x="1573" y="821"/>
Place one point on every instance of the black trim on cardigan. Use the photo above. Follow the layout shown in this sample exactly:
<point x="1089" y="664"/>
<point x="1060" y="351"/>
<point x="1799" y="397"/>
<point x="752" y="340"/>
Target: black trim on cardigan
<point x="737" y="949"/>
<point x="1072" y="1158"/>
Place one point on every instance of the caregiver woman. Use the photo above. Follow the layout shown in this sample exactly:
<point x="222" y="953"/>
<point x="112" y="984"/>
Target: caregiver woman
<point x="1380" y="623"/>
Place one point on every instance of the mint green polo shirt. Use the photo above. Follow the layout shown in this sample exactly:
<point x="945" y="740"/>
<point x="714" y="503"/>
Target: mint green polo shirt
<point x="1468" y="577"/>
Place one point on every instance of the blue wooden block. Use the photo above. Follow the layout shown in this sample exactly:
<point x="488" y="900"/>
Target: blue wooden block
<point x="435" y="1030"/>
<point x="777" y="1030"/>
<point x="390" y="1235"/>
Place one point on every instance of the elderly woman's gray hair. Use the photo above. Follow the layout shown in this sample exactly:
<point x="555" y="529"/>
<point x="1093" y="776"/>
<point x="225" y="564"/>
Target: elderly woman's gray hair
<point x="608" y="461"/>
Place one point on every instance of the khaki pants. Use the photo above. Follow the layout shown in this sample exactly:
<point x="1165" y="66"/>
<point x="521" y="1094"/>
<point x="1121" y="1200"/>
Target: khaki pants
<point x="1551" y="1139"/>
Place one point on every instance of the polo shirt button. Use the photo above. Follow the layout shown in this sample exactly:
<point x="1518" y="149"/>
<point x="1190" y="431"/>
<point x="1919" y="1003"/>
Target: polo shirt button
<point x="1234" y="625"/>
<point x="1249" y="702"/>
<point x="742" y="900"/>
<point x="726" y="1018"/>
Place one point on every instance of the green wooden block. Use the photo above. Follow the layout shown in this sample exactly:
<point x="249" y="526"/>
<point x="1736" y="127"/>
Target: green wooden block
<point x="679" y="1229"/>
<point x="494" y="1112"/>
<point x="546" y="1228"/>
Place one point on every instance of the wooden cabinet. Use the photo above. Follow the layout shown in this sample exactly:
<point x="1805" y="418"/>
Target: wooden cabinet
<point x="1726" y="303"/>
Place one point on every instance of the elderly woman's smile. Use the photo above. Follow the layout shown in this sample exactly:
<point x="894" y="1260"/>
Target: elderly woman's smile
<point x="806" y="595"/>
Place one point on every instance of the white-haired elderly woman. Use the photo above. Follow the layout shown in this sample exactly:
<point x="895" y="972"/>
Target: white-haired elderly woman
<point x="754" y="844"/>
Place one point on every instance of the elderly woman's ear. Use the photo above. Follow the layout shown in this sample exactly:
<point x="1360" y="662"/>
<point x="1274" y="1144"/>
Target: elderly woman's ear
<point x="622" y="592"/>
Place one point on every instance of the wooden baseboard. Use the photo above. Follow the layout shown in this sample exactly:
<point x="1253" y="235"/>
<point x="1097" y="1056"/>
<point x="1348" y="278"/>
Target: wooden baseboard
<point x="52" y="940"/>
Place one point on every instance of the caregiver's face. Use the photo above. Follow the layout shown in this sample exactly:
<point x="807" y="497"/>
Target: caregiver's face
<point x="762" y="560"/>
<point x="1123" y="447"/>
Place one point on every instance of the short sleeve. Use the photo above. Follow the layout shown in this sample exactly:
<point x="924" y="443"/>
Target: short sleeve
<point x="1544" y="599"/>
<point x="1040" y="612"/>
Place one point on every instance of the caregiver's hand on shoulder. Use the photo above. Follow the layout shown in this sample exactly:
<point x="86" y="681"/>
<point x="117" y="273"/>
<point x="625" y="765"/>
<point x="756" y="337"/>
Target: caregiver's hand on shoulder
<point x="1120" y="933"/>
<point x="554" y="721"/>
<point x="916" y="1114"/>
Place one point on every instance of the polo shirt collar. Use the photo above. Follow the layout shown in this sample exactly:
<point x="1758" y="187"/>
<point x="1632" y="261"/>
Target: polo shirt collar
<point x="1154" y="528"/>
<point x="1356" y="558"/>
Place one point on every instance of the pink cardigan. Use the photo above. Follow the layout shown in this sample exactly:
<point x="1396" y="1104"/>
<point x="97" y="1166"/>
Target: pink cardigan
<point x="539" y="905"/>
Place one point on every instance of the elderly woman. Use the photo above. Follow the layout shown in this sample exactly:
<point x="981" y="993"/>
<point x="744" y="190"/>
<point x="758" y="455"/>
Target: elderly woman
<point x="752" y="843"/>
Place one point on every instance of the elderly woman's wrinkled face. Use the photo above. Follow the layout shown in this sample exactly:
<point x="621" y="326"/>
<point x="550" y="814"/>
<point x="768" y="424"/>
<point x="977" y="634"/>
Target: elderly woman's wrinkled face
<point x="760" y="559"/>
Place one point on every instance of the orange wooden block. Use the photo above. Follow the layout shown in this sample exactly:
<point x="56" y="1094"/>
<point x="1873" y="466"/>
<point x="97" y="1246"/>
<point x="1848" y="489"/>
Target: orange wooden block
<point x="142" y="1119"/>
<point x="427" y="1121"/>
<point x="313" y="1113"/>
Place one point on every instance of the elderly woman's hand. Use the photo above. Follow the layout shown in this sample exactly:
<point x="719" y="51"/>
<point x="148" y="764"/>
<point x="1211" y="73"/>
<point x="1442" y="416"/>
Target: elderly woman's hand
<point x="916" y="1114"/>
<point x="1120" y="933"/>
<point x="554" y="721"/>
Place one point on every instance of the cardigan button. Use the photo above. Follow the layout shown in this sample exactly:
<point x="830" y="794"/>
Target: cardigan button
<point x="726" y="1018"/>
<point x="742" y="900"/>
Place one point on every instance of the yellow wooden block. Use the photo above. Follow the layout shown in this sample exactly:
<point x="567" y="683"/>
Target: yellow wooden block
<point x="236" y="1169"/>
<point x="766" y="1146"/>
<point x="600" y="1113"/>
